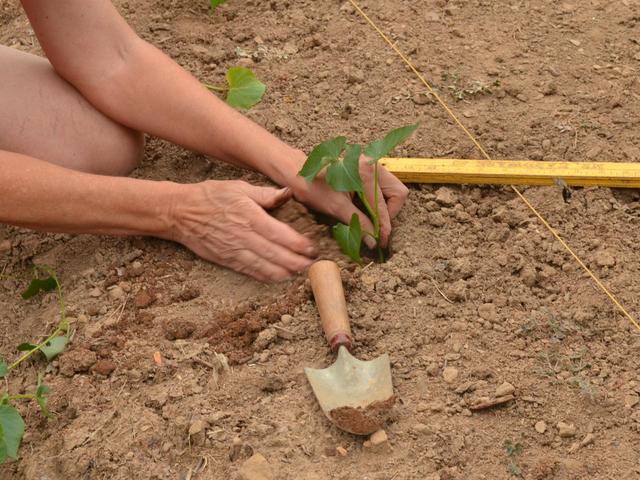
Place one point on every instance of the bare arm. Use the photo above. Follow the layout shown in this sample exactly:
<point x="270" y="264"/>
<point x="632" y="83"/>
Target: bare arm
<point x="223" y="222"/>
<point x="92" y="47"/>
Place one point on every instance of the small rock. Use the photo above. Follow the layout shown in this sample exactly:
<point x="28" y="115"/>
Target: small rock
<point x="5" y="246"/>
<point x="104" y="367"/>
<point x="546" y="144"/>
<point x="422" y="98"/>
<point x="505" y="389"/>
<point x="446" y="197"/>
<point x="457" y="291"/>
<point x="265" y="338"/>
<point x="178" y="328"/>
<point x="421" y="428"/>
<point x="528" y="275"/>
<point x="341" y="451"/>
<point x="540" y="427"/>
<point x="377" y="440"/>
<point x="566" y="430"/>
<point x="116" y="293"/>
<point x="95" y="292"/>
<point x="631" y="400"/>
<point x="256" y="468"/>
<point x="197" y="426"/>
<point x="575" y="43"/>
<point x="587" y="440"/>
<point x="594" y="153"/>
<point x="450" y="374"/>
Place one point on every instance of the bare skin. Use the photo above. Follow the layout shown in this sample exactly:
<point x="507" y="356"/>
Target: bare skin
<point x="70" y="127"/>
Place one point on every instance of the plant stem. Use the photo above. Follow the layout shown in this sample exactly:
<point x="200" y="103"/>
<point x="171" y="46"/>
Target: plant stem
<point x="24" y="396"/>
<point x="377" y="212"/>
<point x="215" y="88"/>
<point x="39" y="347"/>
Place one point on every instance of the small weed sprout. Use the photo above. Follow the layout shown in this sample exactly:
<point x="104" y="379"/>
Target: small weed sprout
<point x="11" y="422"/>
<point x="343" y="175"/>
<point x="513" y="450"/>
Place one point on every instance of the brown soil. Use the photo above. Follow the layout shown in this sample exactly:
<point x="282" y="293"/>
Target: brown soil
<point x="543" y="80"/>
<point x="363" y="421"/>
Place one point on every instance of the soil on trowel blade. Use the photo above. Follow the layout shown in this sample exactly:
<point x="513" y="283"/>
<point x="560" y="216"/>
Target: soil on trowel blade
<point x="363" y="421"/>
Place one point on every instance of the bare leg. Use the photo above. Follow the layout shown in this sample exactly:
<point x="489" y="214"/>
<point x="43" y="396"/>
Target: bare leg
<point x="43" y="116"/>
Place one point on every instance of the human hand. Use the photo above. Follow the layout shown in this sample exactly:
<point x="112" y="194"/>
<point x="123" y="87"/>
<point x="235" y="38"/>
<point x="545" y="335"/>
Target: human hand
<point x="392" y="194"/>
<point x="225" y="222"/>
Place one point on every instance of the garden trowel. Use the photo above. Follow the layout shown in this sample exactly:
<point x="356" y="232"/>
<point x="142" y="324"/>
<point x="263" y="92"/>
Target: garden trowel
<point x="356" y="396"/>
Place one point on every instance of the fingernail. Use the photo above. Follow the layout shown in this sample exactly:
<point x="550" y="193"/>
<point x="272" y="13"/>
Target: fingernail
<point x="371" y="243"/>
<point x="311" y="251"/>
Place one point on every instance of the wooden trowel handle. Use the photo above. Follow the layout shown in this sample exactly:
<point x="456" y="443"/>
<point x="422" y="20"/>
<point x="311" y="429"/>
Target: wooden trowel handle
<point x="327" y="290"/>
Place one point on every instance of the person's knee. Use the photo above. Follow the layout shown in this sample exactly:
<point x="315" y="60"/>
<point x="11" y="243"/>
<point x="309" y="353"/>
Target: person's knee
<point x="124" y="152"/>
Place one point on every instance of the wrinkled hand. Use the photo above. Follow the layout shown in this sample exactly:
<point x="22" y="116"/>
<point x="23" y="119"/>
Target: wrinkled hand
<point x="225" y="222"/>
<point x="392" y="194"/>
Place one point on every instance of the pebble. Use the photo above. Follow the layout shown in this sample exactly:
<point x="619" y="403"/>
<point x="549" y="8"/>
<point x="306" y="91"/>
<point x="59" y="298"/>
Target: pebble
<point x="377" y="440"/>
<point x="95" y="292"/>
<point x="143" y="299"/>
<point x="587" y="440"/>
<point x="631" y="400"/>
<point x="256" y="468"/>
<point x="196" y="427"/>
<point x="450" y="374"/>
<point x="505" y="389"/>
<point x="116" y="293"/>
<point x="540" y="427"/>
<point x="341" y="451"/>
<point x="566" y="430"/>
<point x="5" y="246"/>
<point x="422" y="98"/>
<point x="421" y="428"/>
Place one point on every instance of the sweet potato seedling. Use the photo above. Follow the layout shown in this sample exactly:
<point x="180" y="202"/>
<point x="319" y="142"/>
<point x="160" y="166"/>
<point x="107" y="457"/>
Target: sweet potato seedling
<point x="216" y="3"/>
<point x="11" y="422"/>
<point x="343" y="175"/>
<point x="243" y="89"/>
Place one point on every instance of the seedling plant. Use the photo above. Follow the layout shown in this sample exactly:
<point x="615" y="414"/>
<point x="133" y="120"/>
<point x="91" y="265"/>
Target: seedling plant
<point x="243" y="89"/>
<point x="343" y="175"/>
<point x="11" y="422"/>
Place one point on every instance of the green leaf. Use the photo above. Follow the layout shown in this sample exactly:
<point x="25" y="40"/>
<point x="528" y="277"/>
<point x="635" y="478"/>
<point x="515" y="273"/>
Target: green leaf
<point x="344" y="175"/>
<point x="349" y="238"/>
<point x="36" y="286"/>
<point x="54" y="347"/>
<point x="321" y="156"/>
<point x="381" y="148"/>
<point x="216" y="3"/>
<point x="26" y="347"/>
<point x="4" y="368"/>
<point x="245" y="90"/>
<point x="42" y="391"/>
<point x="11" y="432"/>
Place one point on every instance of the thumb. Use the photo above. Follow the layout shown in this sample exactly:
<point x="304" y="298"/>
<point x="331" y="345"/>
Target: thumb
<point x="268" y="197"/>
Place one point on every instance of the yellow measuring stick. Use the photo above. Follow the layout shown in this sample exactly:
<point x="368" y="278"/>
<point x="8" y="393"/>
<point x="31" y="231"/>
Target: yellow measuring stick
<point x="514" y="172"/>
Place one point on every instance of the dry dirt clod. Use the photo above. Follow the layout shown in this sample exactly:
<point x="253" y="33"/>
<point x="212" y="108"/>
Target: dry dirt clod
<point x="265" y="338"/>
<point x="540" y="427"/>
<point x="446" y="197"/>
<point x="450" y="374"/>
<point x="104" y="367"/>
<point x="631" y="400"/>
<point x="78" y="360"/>
<point x="256" y="468"/>
<point x="566" y="430"/>
<point x="144" y="299"/>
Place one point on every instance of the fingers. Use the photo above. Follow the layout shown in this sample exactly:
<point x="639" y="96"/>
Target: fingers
<point x="394" y="191"/>
<point x="276" y="254"/>
<point x="267" y="197"/>
<point x="383" y="213"/>
<point x="280" y="233"/>
<point x="251" y="264"/>
<point x="344" y="213"/>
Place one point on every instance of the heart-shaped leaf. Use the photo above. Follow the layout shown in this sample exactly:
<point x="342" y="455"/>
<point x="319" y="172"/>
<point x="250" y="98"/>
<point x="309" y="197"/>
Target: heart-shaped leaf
<point x="36" y="286"/>
<point x="321" y="156"/>
<point x="245" y="90"/>
<point x="349" y="238"/>
<point x="380" y="148"/>
<point x="54" y="347"/>
<point x="344" y="175"/>
<point x="4" y="368"/>
<point x="11" y="432"/>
